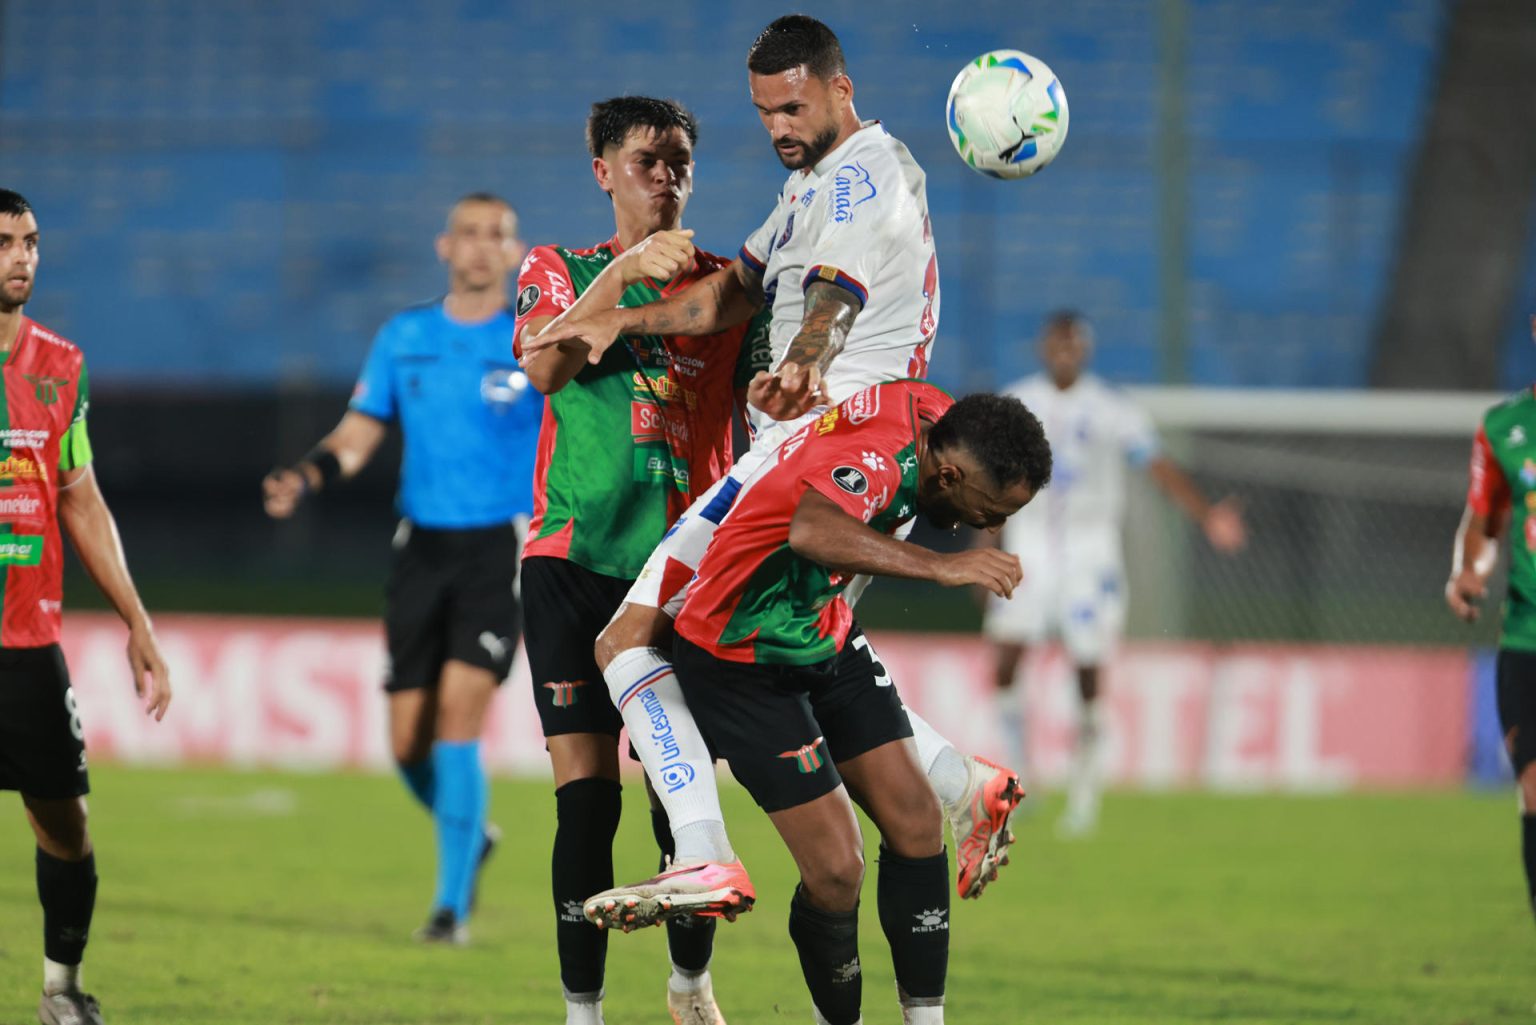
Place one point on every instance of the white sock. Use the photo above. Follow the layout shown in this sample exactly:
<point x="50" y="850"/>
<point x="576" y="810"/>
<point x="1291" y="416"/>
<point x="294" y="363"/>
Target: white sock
<point x="943" y="765"/>
<point x="1009" y="709"/>
<point x="1083" y="791"/>
<point x="584" y="1008"/>
<point x="664" y="735"/>
<point x="922" y="1014"/>
<point x="60" y="978"/>
<point x="683" y="980"/>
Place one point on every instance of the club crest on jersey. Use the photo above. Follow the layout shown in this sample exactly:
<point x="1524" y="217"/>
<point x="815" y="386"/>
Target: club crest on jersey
<point x="527" y="298"/>
<point x="564" y="692"/>
<point x="808" y="758"/>
<point x="851" y="479"/>
<point x="45" y="388"/>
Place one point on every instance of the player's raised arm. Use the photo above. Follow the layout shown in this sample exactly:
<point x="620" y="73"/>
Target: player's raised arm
<point x="1221" y="522"/>
<point x="340" y="455"/>
<point x="718" y="301"/>
<point x="795" y="388"/>
<point x="93" y="532"/>
<point x="1483" y="522"/>
<point x="825" y="534"/>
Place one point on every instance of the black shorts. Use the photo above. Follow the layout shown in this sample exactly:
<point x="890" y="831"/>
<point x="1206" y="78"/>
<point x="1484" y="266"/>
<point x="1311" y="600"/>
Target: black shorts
<point x="782" y="729"/>
<point x="42" y="745"/>
<point x="451" y="595"/>
<point x="565" y="607"/>
<point x="1517" y="705"/>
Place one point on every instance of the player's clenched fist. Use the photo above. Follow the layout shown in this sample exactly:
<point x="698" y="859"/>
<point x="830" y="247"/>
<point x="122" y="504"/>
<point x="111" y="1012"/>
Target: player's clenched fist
<point x="997" y="571"/>
<point x="660" y="257"/>
<point x="1464" y="591"/>
<point x="281" y="492"/>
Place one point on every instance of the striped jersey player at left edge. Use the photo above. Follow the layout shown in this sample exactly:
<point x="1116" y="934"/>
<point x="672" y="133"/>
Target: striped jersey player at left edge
<point x="47" y="482"/>
<point x="445" y="374"/>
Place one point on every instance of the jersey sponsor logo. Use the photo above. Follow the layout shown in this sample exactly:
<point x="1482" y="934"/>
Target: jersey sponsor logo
<point x="851" y="188"/>
<point x="21" y="437"/>
<point x="50" y="606"/>
<point x="44" y="388"/>
<point x="559" y="289"/>
<point x="20" y="506"/>
<point x="851" y="479"/>
<point x="828" y="420"/>
<point x="675" y="772"/>
<point x="527" y="299"/>
<point x="808" y="757"/>
<point x="21" y="550"/>
<point x="564" y="692"/>
<point x="864" y="405"/>
<point x="647" y="422"/>
<point x="20" y="469"/>
<point x="805" y="200"/>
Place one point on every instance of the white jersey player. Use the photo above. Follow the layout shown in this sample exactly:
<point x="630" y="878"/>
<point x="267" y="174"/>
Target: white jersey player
<point x="1069" y="540"/>
<point x="846" y="261"/>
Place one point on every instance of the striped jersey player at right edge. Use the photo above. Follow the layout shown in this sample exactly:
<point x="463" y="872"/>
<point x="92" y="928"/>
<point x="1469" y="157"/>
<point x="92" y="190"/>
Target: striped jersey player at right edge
<point x="847" y="263"/>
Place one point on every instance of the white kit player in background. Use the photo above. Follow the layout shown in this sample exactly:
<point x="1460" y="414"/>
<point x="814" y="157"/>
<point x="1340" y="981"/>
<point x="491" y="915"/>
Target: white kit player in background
<point x="1069" y="544"/>
<point x="846" y="261"/>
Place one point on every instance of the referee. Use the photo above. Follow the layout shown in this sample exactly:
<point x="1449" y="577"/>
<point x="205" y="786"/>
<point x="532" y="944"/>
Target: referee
<point x="445" y="372"/>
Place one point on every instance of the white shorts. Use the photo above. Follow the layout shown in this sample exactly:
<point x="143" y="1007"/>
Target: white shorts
<point x="663" y="581"/>
<point x="1076" y="596"/>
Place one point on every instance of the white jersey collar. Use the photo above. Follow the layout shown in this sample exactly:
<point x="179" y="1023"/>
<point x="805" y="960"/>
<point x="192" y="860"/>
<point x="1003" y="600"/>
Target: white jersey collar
<point x="837" y="157"/>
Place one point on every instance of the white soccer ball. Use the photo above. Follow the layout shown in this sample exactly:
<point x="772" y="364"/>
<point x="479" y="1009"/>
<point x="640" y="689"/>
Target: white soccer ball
<point x="1007" y="114"/>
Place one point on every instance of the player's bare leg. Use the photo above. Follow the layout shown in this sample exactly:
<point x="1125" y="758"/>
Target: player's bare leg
<point x="66" y="885"/>
<point x="587" y="806"/>
<point x="913" y="879"/>
<point x="1081" y="816"/>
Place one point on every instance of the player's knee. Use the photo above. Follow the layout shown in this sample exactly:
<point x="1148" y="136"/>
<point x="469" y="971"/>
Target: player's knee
<point x="1528" y="788"/>
<point x="919" y="829"/>
<point x="411" y="749"/>
<point x="834" y="881"/>
<point x="61" y="828"/>
<point x="629" y="629"/>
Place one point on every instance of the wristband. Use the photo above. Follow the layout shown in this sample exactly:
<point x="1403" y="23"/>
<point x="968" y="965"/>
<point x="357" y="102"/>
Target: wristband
<point x="326" y="463"/>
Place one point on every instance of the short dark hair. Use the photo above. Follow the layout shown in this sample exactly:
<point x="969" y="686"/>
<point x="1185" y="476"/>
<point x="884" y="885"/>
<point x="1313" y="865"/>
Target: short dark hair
<point x="13" y="203"/>
<point x="1067" y="317"/>
<point x="1002" y="434"/>
<point x="611" y="121"/>
<point x="793" y="40"/>
<point x="483" y="197"/>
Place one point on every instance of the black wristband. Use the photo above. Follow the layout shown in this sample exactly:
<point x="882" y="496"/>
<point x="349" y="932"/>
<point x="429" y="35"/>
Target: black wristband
<point x="326" y="463"/>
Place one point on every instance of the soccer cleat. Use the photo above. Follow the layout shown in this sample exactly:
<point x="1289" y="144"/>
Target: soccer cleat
<point x="487" y="848"/>
<point x="69" y="1008"/>
<point x="979" y="821"/>
<point x="696" y="1007"/>
<point x="709" y="889"/>
<point x="444" y="927"/>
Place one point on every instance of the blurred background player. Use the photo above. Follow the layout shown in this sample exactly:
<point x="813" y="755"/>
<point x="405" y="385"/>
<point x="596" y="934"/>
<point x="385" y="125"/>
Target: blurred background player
<point x="1502" y="493"/>
<point x="627" y="442"/>
<point x="767" y="656"/>
<point x="1069" y="543"/>
<point x="46" y="479"/>
<point x="446" y="373"/>
<point x="848" y="258"/>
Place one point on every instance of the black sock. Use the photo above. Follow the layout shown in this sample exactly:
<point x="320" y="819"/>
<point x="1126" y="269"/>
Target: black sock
<point x="1528" y="852"/>
<point x="914" y="912"/>
<point x="67" y="891"/>
<point x="690" y="940"/>
<point x="588" y="813"/>
<point x="828" y="942"/>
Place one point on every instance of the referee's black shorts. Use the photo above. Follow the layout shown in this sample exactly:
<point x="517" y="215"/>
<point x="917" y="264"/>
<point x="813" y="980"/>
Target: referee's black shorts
<point x="42" y="745"/>
<point x="452" y="595"/>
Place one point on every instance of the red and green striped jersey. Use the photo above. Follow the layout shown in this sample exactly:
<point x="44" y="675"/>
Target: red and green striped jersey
<point x="1503" y="478"/>
<point x="42" y="434"/>
<point x="754" y="599"/>
<point x="629" y="443"/>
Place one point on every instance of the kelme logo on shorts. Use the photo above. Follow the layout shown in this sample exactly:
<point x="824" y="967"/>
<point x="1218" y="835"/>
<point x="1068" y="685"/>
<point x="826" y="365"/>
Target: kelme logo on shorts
<point x="565" y="692"/>
<point x="851" y="479"/>
<point x="808" y="759"/>
<point x="21" y="550"/>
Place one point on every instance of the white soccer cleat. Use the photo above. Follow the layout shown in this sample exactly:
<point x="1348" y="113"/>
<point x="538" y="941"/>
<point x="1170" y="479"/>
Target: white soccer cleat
<point x="709" y="890"/>
<point x="695" y="1007"/>
<point x="979" y="822"/>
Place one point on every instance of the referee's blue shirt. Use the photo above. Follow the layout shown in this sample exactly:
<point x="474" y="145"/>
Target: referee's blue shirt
<point x="469" y="417"/>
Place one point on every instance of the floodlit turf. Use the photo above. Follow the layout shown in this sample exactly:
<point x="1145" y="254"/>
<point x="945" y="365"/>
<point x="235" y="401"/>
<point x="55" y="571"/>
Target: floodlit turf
<point x="261" y="899"/>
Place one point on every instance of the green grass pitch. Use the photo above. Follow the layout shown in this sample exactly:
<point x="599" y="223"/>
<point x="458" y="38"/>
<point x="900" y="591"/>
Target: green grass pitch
<point x="234" y="898"/>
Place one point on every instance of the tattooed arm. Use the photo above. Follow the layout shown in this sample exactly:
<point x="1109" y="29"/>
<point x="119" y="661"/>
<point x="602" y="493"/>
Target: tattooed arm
<point x="723" y="299"/>
<point x="795" y="387"/>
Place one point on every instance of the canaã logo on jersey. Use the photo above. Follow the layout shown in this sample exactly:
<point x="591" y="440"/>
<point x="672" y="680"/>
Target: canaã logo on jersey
<point x="807" y="757"/>
<point x="564" y="692"/>
<point x="19" y="470"/>
<point x="851" y="479"/>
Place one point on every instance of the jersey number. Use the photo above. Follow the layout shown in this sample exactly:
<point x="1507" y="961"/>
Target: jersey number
<point x="882" y="678"/>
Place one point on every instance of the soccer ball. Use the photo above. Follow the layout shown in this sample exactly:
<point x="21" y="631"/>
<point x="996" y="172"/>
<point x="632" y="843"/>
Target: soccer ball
<point x="1007" y="114"/>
